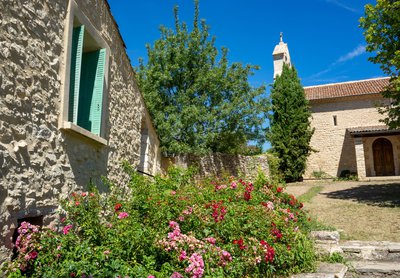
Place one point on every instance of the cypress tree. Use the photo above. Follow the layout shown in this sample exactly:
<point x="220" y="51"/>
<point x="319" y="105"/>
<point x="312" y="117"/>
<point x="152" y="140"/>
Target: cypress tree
<point x="290" y="131"/>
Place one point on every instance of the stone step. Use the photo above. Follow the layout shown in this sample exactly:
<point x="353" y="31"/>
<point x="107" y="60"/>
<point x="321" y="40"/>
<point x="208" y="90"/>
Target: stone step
<point x="359" y="250"/>
<point x="363" y="269"/>
<point x="326" y="237"/>
<point x="325" y="270"/>
<point x="371" y="251"/>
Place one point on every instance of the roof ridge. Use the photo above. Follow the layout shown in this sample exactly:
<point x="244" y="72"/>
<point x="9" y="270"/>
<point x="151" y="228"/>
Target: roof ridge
<point x="346" y="82"/>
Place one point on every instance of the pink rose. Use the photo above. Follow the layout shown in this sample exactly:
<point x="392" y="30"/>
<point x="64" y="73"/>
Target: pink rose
<point x="66" y="229"/>
<point x="176" y="275"/>
<point x="211" y="240"/>
<point x="182" y="256"/>
<point x="123" y="215"/>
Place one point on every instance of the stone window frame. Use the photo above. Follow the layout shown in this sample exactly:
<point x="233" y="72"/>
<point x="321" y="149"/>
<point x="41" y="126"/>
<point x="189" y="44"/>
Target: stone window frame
<point x="75" y="13"/>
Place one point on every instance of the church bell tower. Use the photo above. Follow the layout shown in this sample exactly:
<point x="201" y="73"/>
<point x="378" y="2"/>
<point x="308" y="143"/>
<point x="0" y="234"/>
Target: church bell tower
<point x="280" y="55"/>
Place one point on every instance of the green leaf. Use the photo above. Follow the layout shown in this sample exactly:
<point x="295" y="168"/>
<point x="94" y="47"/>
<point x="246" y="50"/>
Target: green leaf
<point x="198" y="100"/>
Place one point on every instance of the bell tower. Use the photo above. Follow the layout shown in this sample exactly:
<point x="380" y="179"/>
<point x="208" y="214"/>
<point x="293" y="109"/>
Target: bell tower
<point x="280" y="55"/>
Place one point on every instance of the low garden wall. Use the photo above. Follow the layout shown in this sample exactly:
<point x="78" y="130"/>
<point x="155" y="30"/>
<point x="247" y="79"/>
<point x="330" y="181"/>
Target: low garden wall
<point x="218" y="164"/>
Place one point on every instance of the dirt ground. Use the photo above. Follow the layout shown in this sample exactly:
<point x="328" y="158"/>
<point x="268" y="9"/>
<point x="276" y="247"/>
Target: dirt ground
<point x="359" y="210"/>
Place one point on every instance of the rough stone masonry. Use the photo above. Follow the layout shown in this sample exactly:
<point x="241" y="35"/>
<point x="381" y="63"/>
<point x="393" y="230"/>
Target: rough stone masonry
<point x="41" y="161"/>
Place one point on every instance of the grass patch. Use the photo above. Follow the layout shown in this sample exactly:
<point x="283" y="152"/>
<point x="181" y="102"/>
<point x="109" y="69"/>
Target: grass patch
<point x="321" y="175"/>
<point x="333" y="258"/>
<point x="311" y="193"/>
<point x="359" y="210"/>
<point x="315" y="225"/>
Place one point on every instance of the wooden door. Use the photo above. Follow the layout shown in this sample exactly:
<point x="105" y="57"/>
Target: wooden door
<point x="383" y="157"/>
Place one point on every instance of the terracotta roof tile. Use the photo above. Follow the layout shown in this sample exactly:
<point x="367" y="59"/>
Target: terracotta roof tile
<point x="346" y="89"/>
<point x="375" y="129"/>
<point x="368" y="128"/>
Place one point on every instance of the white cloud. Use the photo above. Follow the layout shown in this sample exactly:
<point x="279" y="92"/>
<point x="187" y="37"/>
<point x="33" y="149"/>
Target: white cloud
<point x="316" y="77"/>
<point x="343" y="6"/>
<point x="359" y="50"/>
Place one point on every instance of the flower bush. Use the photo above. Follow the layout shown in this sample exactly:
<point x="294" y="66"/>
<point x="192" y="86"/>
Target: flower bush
<point x="171" y="227"/>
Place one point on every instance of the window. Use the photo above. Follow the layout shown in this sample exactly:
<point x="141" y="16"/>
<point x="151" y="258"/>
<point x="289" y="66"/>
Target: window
<point x="334" y="120"/>
<point x="83" y="107"/>
<point x="87" y="71"/>
<point x="144" y="146"/>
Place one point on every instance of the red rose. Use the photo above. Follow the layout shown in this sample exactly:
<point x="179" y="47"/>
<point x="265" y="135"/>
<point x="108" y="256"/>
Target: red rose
<point x="117" y="207"/>
<point x="33" y="254"/>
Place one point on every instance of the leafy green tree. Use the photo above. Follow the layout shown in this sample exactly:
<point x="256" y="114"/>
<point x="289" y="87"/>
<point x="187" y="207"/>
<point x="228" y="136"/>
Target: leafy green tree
<point x="199" y="102"/>
<point x="290" y="131"/>
<point x="381" y="25"/>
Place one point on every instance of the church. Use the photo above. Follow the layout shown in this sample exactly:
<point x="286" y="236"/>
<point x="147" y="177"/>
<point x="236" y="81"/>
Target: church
<point x="349" y="137"/>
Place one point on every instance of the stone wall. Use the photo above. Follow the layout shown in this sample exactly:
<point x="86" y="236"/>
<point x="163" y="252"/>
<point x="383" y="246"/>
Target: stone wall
<point x="334" y="145"/>
<point x="39" y="161"/>
<point x="218" y="164"/>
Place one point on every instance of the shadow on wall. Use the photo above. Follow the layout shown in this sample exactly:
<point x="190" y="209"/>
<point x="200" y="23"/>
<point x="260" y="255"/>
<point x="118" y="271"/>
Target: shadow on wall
<point x="347" y="159"/>
<point x="88" y="161"/>
<point x="382" y="195"/>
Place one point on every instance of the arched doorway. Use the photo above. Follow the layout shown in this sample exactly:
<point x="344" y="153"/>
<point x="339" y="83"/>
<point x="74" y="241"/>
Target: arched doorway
<point x="383" y="157"/>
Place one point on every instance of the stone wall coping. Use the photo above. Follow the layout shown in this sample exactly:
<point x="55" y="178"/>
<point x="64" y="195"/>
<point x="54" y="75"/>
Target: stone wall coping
<point x="68" y="126"/>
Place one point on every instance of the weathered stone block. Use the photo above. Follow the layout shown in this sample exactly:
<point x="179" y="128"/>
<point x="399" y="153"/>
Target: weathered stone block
<point x="326" y="236"/>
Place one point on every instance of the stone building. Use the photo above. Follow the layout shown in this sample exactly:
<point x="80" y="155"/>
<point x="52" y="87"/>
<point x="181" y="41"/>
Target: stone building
<point x="70" y="108"/>
<point x="348" y="137"/>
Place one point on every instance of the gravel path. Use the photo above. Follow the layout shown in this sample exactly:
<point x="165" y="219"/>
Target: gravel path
<point x="359" y="210"/>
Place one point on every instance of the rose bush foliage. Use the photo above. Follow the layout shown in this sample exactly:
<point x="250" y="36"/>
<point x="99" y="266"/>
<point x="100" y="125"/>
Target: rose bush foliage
<point x="171" y="227"/>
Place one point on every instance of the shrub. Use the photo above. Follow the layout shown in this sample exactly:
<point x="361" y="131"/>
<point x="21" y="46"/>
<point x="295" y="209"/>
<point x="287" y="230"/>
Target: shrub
<point x="273" y="164"/>
<point x="335" y="257"/>
<point x="321" y="175"/>
<point x="347" y="175"/>
<point x="171" y="227"/>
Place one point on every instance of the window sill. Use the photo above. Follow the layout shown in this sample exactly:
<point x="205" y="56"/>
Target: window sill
<point x="68" y="126"/>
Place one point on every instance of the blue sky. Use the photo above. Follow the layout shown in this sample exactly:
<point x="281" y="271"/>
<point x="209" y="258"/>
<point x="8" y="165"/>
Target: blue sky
<point x="325" y="43"/>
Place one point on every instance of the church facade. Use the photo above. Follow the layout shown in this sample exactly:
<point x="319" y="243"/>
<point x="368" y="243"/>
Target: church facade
<point x="349" y="137"/>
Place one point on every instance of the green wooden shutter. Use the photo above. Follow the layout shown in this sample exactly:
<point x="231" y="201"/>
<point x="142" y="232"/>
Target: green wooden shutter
<point x="75" y="73"/>
<point x="91" y="86"/>
<point x="96" y="107"/>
